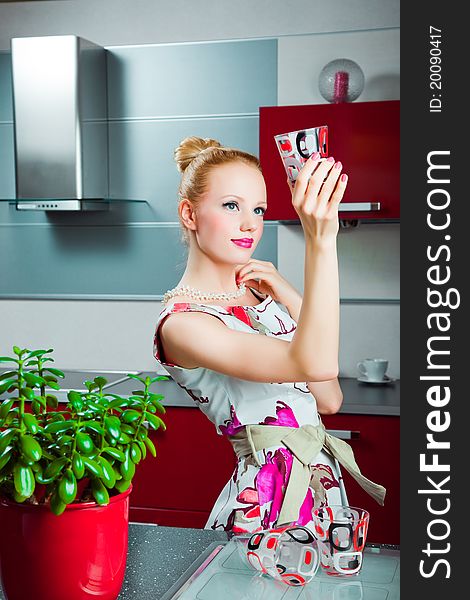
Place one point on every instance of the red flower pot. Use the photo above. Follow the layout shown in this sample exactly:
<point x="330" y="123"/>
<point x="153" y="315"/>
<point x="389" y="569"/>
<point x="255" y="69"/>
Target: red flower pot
<point x="78" y="555"/>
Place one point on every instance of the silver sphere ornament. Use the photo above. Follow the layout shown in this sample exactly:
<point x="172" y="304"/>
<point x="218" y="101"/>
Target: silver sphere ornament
<point x="341" y="80"/>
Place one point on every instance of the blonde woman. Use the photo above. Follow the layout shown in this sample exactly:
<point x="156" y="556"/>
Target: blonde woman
<point x="260" y="374"/>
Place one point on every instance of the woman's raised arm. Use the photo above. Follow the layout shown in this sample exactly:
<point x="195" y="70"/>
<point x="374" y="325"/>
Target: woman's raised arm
<point x="201" y="340"/>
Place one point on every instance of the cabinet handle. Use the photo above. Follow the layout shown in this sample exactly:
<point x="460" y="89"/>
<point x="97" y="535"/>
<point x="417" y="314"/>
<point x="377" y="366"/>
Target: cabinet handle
<point x="358" y="206"/>
<point x="344" y="434"/>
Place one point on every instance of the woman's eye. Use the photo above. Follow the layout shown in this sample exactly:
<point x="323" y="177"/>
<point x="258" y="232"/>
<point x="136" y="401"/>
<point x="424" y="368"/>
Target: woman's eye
<point x="231" y="205"/>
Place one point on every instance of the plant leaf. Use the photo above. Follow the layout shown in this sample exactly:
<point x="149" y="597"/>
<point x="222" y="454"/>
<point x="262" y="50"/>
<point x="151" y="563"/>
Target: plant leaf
<point x="52" y="401"/>
<point x="41" y="401"/>
<point x="127" y="467"/>
<point x="30" y="448"/>
<point x="8" y="359"/>
<point x="161" y="409"/>
<point x="5" y="456"/>
<point x="31" y="423"/>
<point x="150" y="445"/>
<point x="57" y="426"/>
<point x="94" y="467"/>
<point x="132" y="376"/>
<point x="128" y="429"/>
<point x="35" y="353"/>
<point x="7" y="375"/>
<point x="99" y="492"/>
<point x="55" y="372"/>
<point x="84" y="442"/>
<point x="77" y="465"/>
<point x="109" y="478"/>
<point x="55" y="467"/>
<point x="136" y="453"/>
<point x="101" y="381"/>
<point x="23" y="478"/>
<point x="35" y="407"/>
<point x="115" y="453"/>
<point x="96" y="427"/>
<point x="53" y="385"/>
<point x="56" y="504"/>
<point x="142" y="433"/>
<point x="67" y="488"/>
<point x="128" y="416"/>
<point x="34" y="380"/>
<point x="143" y="448"/>
<point x="90" y="385"/>
<point x="113" y="426"/>
<point x="72" y="395"/>
<point x="6" y="384"/>
<point x="155" y="421"/>
<point x="28" y="393"/>
<point x="117" y="402"/>
<point x="6" y="437"/>
<point x="122" y="485"/>
<point x="5" y="407"/>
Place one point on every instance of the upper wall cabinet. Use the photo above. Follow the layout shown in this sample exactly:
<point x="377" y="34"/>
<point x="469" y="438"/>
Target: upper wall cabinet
<point x="364" y="136"/>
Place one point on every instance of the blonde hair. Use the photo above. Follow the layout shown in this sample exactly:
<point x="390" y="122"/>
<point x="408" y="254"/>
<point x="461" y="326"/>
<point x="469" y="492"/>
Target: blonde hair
<point x="195" y="158"/>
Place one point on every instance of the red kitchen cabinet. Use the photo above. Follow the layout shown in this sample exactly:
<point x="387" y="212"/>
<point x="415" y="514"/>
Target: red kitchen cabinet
<point x="377" y="452"/>
<point x="364" y="136"/>
<point x="180" y="486"/>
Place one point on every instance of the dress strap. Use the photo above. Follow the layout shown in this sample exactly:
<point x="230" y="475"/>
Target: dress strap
<point x="178" y="307"/>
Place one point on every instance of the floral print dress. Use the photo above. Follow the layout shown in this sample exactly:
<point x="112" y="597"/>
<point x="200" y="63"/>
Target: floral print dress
<point x="251" y="500"/>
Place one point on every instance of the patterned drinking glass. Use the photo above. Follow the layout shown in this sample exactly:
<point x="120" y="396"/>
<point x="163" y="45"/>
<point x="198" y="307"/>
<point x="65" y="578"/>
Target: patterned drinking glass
<point x="341" y="533"/>
<point x="289" y="554"/>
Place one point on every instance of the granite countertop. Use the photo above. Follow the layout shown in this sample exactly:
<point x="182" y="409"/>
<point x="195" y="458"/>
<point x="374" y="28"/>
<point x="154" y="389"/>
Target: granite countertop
<point x="359" y="398"/>
<point x="158" y="556"/>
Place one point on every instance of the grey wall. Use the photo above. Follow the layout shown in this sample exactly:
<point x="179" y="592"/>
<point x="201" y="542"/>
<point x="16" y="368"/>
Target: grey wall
<point x="119" y="22"/>
<point x="118" y="334"/>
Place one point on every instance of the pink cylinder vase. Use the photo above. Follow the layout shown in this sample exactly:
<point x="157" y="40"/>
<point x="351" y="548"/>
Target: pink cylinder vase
<point x="78" y="555"/>
<point x="341" y="87"/>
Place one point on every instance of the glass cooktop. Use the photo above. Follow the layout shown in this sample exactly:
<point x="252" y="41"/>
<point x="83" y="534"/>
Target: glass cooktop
<point x="221" y="573"/>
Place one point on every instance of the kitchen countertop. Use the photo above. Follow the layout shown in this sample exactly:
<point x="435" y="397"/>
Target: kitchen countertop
<point x="359" y="398"/>
<point x="158" y="556"/>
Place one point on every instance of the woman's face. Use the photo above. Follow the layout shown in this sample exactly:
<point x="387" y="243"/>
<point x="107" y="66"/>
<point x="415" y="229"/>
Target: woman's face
<point x="231" y="210"/>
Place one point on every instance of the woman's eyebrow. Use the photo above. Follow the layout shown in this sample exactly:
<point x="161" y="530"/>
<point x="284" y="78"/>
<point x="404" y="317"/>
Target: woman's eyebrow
<point x="240" y="198"/>
<point x="233" y="196"/>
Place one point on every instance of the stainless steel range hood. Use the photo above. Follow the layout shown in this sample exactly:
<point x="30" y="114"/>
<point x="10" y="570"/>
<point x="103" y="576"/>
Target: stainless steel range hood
<point x="60" y="123"/>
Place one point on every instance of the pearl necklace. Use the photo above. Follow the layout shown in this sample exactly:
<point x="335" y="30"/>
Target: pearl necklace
<point x="195" y="294"/>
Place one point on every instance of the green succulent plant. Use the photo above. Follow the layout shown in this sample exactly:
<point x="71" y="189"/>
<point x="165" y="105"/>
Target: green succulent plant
<point x="97" y="436"/>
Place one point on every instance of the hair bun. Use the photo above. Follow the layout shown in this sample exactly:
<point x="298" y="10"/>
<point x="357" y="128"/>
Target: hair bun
<point x="191" y="147"/>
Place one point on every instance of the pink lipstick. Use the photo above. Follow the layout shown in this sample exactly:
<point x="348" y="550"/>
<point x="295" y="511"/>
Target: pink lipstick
<point x="244" y="242"/>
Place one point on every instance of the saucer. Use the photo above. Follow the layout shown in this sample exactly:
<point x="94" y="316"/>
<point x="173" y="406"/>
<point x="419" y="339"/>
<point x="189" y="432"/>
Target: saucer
<point x="386" y="379"/>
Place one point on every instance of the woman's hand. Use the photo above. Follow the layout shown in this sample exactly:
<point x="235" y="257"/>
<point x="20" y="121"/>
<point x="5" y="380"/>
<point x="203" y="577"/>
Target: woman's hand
<point x="264" y="277"/>
<point x="316" y="195"/>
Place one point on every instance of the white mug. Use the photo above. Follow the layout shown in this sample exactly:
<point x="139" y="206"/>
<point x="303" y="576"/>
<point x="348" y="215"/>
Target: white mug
<point x="373" y="368"/>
